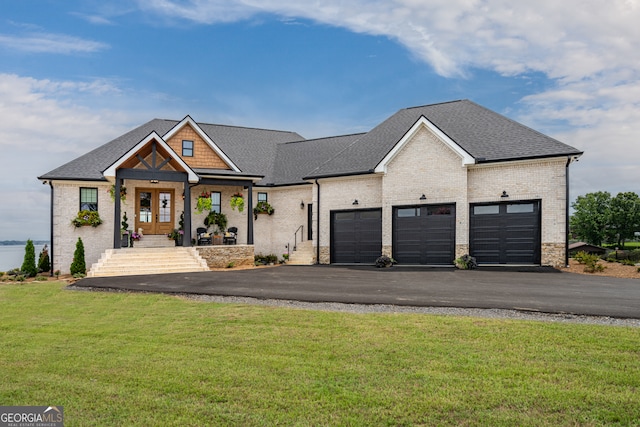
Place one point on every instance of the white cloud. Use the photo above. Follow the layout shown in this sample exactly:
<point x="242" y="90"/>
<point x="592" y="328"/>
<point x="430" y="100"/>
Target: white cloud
<point x="50" y="43"/>
<point x="588" y="48"/>
<point x="44" y="125"/>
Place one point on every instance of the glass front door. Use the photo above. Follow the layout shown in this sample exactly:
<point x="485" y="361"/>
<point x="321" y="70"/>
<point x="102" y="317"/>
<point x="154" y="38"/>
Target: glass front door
<point x="154" y="208"/>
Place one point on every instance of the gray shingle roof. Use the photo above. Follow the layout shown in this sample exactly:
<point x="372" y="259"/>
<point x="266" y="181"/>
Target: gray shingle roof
<point x="285" y="158"/>
<point x="252" y="150"/>
<point x="482" y="133"/>
<point x="295" y="160"/>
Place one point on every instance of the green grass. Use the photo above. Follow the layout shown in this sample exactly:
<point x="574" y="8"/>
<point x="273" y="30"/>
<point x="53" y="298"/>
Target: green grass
<point x="142" y="359"/>
<point x="629" y="246"/>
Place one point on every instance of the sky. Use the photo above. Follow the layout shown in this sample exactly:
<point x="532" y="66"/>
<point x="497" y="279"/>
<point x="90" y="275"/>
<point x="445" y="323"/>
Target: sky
<point x="75" y="74"/>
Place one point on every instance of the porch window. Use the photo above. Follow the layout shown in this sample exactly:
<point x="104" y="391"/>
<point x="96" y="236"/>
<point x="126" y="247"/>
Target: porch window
<point x="88" y="199"/>
<point x="216" y="201"/>
<point x="262" y="197"/>
<point x="187" y="148"/>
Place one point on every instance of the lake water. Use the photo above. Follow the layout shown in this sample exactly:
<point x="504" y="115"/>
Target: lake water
<point x="11" y="256"/>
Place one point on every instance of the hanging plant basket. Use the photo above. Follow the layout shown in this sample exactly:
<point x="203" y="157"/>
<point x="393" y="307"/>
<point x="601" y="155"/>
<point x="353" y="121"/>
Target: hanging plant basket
<point x="203" y="203"/>
<point x="237" y="201"/>
<point x="123" y="193"/>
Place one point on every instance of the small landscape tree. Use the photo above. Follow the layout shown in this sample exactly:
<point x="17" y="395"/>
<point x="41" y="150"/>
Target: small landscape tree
<point x="78" y="265"/>
<point x="29" y="262"/>
<point x="44" y="262"/>
<point x="591" y="215"/>
<point x="624" y="218"/>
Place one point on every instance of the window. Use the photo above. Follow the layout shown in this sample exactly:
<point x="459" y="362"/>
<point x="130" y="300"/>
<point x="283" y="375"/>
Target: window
<point x="371" y="214"/>
<point x="187" y="148"/>
<point x="486" y="210"/>
<point x="439" y="210"/>
<point x="520" y="208"/>
<point x="345" y="216"/>
<point x="216" y="201"/>
<point x="408" y="212"/>
<point x="88" y="199"/>
<point x="262" y="197"/>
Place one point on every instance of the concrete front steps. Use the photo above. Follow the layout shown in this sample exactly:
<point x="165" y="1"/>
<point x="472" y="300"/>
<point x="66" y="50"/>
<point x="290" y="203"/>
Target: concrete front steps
<point x="303" y="254"/>
<point x="150" y="260"/>
<point x="154" y="241"/>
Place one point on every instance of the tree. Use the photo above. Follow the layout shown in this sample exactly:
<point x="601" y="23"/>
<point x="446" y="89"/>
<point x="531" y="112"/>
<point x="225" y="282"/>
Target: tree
<point x="591" y="217"/>
<point x="78" y="265"/>
<point x="44" y="262"/>
<point x="29" y="262"/>
<point x="624" y="217"/>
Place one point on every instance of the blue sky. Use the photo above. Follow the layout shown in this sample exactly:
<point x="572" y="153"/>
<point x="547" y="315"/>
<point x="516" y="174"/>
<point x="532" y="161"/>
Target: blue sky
<point x="76" y="74"/>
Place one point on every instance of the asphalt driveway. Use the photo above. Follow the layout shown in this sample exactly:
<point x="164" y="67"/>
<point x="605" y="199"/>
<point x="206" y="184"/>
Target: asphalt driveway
<point x="535" y="289"/>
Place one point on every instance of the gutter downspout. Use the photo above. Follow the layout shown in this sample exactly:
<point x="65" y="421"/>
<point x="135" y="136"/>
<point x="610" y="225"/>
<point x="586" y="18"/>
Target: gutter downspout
<point x="318" y="225"/>
<point x="566" y="231"/>
<point x="51" y="232"/>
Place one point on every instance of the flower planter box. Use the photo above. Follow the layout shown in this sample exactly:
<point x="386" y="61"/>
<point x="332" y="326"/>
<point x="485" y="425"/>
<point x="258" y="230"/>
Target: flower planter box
<point x="217" y="239"/>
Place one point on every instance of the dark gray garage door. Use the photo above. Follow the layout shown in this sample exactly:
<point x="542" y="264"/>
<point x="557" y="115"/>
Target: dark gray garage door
<point x="356" y="236"/>
<point x="424" y="234"/>
<point x="505" y="233"/>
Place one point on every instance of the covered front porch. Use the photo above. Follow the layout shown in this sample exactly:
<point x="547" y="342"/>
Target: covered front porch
<point x="160" y="195"/>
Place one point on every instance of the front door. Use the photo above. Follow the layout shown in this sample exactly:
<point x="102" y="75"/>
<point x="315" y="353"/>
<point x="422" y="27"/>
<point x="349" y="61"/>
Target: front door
<point x="154" y="207"/>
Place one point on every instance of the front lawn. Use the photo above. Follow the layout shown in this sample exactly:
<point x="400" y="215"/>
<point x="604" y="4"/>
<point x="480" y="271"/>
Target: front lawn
<point x="116" y="359"/>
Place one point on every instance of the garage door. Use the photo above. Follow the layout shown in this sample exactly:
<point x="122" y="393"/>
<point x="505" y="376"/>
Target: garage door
<point x="506" y="233"/>
<point x="424" y="234"/>
<point x="356" y="236"/>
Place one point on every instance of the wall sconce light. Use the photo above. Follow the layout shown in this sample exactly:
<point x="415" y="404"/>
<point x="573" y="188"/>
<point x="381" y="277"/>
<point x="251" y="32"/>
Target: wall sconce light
<point x="355" y="202"/>
<point x="423" y="197"/>
<point x="154" y="181"/>
<point x="504" y="194"/>
<point x="302" y="204"/>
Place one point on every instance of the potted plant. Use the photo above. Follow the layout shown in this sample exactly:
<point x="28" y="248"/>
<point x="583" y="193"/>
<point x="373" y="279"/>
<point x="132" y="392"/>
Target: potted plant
<point x="135" y="236"/>
<point x="203" y="204"/>
<point x="262" y="208"/>
<point x="237" y="201"/>
<point x="177" y="236"/>
<point x="220" y="222"/>
<point x="124" y="231"/>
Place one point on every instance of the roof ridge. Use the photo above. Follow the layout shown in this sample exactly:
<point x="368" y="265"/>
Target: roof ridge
<point x="437" y="103"/>
<point x="324" y="137"/>
<point x="337" y="154"/>
<point x="231" y="126"/>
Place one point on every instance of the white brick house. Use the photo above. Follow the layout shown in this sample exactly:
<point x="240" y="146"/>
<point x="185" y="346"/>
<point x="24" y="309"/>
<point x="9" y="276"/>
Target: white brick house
<point x="425" y="186"/>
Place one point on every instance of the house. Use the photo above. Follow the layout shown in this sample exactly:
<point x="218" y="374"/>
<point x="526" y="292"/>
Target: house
<point x="576" y="247"/>
<point x="425" y="186"/>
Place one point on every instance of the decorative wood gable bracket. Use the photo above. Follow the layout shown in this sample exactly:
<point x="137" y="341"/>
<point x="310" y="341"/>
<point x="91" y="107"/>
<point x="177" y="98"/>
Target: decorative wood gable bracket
<point x="152" y="170"/>
<point x="153" y="165"/>
<point x="422" y="123"/>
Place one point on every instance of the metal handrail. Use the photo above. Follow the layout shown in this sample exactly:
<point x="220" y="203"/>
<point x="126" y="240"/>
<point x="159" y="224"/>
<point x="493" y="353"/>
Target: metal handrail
<point x="295" y="237"/>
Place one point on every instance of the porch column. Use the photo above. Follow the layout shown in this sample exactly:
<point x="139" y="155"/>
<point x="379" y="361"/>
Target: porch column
<point x="186" y="238"/>
<point x="116" y="215"/>
<point x="250" y="214"/>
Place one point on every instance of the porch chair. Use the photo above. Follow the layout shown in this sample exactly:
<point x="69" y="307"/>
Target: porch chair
<point x="202" y="236"/>
<point x="231" y="236"/>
